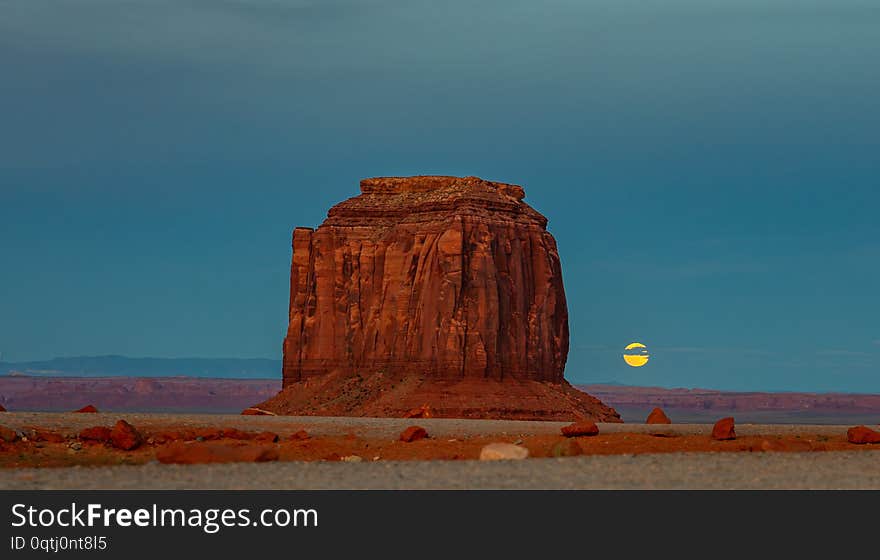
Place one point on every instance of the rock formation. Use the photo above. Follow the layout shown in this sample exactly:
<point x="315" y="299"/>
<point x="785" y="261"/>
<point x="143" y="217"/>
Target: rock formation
<point x="438" y="291"/>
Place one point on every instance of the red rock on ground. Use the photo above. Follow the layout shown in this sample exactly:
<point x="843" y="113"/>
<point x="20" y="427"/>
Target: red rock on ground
<point x="2" y="409"/>
<point x="215" y="452"/>
<point x="234" y="433"/>
<point x="88" y="409"/>
<point x="423" y="411"/>
<point x="456" y="279"/>
<point x="657" y="416"/>
<point x="168" y="436"/>
<point x="124" y="436"/>
<point x="861" y="435"/>
<point x="98" y="433"/>
<point x="254" y="411"/>
<point x="724" y="429"/>
<point x="47" y="436"/>
<point x="301" y="435"/>
<point x="566" y="448"/>
<point x="581" y="429"/>
<point x="413" y="433"/>
<point x="7" y="435"/>
<point x="269" y="437"/>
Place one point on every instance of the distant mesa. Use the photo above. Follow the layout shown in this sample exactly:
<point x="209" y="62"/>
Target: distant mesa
<point x="88" y="409"/>
<point x="430" y="291"/>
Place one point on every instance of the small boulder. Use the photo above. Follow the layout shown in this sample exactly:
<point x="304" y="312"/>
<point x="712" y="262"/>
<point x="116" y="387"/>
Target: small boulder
<point x="301" y="435"/>
<point x="657" y="416"/>
<point x="124" y="436"/>
<point x="266" y="437"/>
<point x="47" y="436"/>
<point x="235" y="433"/>
<point x="254" y="411"/>
<point x="166" y="437"/>
<point x="567" y="448"/>
<point x="773" y="445"/>
<point x="215" y="452"/>
<point x="7" y="435"/>
<point x="423" y="411"/>
<point x="88" y="409"/>
<point x="98" y="433"/>
<point x="861" y="435"/>
<point x="503" y="452"/>
<point x="413" y="433"/>
<point x="724" y="429"/>
<point x="352" y="459"/>
<point x="582" y="428"/>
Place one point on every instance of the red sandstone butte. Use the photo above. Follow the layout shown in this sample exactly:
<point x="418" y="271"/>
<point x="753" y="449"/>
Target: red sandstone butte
<point x="724" y="429"/>
<point x="88" y="409"/>
<point x="657" y="416"/>
<point x="861" y="435"/>
<point x="440" y="290"/>
<point x="2" y="409"/>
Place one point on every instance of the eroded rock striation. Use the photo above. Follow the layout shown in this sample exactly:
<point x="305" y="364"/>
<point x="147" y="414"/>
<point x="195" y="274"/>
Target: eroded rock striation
<point x="441" y="285"/>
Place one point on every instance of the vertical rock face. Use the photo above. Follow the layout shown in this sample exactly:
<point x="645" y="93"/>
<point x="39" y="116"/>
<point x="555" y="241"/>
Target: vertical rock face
<point x="446" y="276"/>
<point x="453" y="281"/>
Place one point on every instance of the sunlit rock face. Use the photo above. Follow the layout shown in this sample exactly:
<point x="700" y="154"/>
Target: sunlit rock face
<point x="437" y="294"/>
<point x="445" y="276"/>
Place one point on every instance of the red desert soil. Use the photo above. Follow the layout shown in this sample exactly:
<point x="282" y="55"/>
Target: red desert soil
<point x="219" y="445"/>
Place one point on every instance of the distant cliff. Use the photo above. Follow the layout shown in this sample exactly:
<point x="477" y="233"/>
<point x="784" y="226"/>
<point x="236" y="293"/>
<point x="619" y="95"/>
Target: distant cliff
<point x="102" y="366"/>
<point x="705" y="404"/>
<point x="165" y="394"/>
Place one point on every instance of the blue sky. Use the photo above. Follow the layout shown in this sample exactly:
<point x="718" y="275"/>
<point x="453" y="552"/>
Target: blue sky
<point x="709" y="168"/>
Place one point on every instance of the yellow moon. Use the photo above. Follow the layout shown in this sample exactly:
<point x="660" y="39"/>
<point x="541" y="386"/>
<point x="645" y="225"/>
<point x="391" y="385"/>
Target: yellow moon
<point x="636" y="354"/>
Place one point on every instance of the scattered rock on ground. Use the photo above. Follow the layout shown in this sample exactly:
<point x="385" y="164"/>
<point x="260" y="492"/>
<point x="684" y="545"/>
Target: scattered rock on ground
<point x="581" y="428"/>
<point x="88" y="409"/>
<point x="657" y="416"/>
<point x="268" y="437"/>
<point x="773" y="445"/>
<point x="353" y="459"/>
<point x="7" y="435"/>
<point x="503" y="452"/>
<point x="413" y="433"/>
<point x="862" y="435"/>
<point x="423" y="411"/>
<point x="566" y="448"/>
<point x="47" y="436"/>
<point x="124" y="436"/>
<point x="215" y="452"/>
<point x="301" y="435"/>
<point x="98" y="433"/>
<point x="724" y="429"/>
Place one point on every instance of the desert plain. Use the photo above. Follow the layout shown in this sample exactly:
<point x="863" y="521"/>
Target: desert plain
<point x="212" y="451"/>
